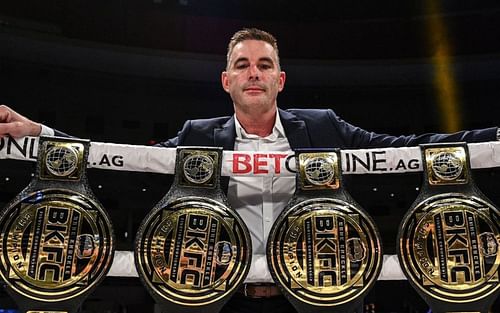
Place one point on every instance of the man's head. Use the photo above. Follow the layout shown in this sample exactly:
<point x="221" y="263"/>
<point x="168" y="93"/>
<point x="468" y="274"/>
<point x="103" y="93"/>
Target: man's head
<point x="251" y="34"/>
<point x="253" y="76"/>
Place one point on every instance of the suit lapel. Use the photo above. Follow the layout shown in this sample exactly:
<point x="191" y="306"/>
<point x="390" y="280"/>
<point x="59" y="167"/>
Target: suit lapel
<point x="295" y="129"/>
<point x="225" y="135"/>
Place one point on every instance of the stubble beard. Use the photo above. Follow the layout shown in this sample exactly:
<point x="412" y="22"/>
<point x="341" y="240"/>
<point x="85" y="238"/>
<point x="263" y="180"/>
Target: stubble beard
<point x="255" y="107"/>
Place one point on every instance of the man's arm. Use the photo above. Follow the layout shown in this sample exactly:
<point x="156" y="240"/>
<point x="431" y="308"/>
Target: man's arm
<point x="15" y="125"/>
<point x="356" y="137"/>
<point x="179" y="139"/>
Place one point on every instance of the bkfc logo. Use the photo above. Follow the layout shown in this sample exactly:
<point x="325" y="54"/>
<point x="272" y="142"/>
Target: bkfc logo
<point x="321" y="252"/>
<point x="53" y="229"/>
<point x="195" y="258"/>
<point x="328" y="242"/>
<point x="458" y="247"/>
<point x="456" y="255"/>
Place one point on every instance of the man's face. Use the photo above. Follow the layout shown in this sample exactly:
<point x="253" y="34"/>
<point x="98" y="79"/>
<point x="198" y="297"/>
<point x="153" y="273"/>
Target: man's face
<point x="253" y="78"/>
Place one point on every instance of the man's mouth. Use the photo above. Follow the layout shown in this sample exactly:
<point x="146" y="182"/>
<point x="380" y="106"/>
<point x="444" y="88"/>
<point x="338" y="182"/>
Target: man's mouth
<point x="254" y="89"/>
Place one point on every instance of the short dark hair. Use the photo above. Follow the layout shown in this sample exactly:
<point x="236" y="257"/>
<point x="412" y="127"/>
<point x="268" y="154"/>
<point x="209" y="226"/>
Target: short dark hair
<point x="251" y="34"/>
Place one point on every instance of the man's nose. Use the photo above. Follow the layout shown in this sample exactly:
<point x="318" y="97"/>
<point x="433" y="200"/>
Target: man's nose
<point x="253" y="72"/>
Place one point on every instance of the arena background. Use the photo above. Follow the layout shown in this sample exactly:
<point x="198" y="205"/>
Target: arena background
<point x="132" y="71"/>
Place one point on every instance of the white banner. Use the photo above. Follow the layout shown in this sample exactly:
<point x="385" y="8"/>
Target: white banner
<point x="121" y="157"/>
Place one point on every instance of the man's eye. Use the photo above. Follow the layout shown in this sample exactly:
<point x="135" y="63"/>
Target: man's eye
<point x="265" y="66"/>
<point x="240" y="66"/>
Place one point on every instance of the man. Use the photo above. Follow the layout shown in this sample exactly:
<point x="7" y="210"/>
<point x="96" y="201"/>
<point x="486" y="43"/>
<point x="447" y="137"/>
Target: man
<point x="253" y="78"/>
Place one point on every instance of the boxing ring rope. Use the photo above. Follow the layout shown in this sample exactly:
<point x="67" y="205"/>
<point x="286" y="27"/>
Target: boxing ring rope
<point x="137" y="158"/>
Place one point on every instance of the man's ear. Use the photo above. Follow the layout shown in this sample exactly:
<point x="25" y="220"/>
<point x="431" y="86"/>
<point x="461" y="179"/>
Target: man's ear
<point x="224" y="81"/>
<point x="282" y="80"/>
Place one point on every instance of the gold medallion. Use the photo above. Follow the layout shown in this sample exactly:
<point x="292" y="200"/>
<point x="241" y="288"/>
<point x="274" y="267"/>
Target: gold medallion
<point x="54" y="245"/>
<point x="193" y="252"/>
<point x="198" y="169"/>
<point x="61" y="161"/>
<point x="449" y="246"/>
<point x="319" y="171"/>
<point x="326" y="252"/>
<point x="446" y="166"/>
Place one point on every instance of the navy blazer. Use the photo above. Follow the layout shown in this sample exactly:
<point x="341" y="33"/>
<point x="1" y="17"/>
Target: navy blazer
<point x="314" y="128"/>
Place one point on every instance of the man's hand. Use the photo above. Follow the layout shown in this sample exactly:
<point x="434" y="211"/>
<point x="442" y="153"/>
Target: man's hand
<point x="15" y="125"/>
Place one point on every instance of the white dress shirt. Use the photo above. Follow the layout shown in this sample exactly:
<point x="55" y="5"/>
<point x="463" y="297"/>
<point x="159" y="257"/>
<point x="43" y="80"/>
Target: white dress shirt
<point x="259" y="200"/>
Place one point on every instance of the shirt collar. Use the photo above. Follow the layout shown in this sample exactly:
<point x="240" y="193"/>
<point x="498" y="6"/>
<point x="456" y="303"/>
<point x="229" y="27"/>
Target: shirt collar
<point x="278" y="130"/>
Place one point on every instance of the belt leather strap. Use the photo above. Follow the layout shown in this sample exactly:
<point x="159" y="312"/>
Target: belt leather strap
<point x="192" y="250"/>
<point x="260" y="290"/>
<point x="57" y="242"/>
<point x="324" y="250"/>
<point x="449" y="238"/>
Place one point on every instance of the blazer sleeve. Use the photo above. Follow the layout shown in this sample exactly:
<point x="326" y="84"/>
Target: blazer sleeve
<point x="355" y="137"/>
<point x="179" y="139"/>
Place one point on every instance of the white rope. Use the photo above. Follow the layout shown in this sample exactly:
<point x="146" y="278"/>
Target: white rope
<point x="137" y="158"/>
<point x="124" y="266"/>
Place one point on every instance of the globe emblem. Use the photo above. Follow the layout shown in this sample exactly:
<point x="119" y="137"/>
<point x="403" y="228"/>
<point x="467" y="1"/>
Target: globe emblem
<point x="198" y="169"/>
<point x="447" y="166"/>
<point x="488" y="244"/>
<point x="61" y="161"/>
<point x="223" y="252"/>
<point x="319" y="171"/>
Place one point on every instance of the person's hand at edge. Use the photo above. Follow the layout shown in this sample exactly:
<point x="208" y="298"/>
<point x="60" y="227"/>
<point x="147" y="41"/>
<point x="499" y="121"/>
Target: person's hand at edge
<point x="15" y="125"/>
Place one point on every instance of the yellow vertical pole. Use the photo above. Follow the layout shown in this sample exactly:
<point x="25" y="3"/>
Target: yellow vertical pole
<point x="444" y="77"/>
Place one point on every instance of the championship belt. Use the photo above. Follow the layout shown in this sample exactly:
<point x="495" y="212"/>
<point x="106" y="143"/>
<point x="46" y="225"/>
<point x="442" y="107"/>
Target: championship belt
<point x="324" y="250"/>
<point x="449" y="238"/>
<point x="56" y="240"/>
<point x="192" y="250"/>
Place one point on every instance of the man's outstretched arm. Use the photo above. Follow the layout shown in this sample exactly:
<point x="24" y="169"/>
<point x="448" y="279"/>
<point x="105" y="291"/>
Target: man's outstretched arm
<point x="15" y="125"/>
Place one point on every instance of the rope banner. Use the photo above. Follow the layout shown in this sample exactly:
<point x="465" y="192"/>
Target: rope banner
<point x="137" y="158"/>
